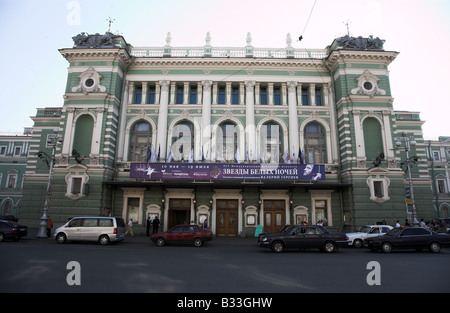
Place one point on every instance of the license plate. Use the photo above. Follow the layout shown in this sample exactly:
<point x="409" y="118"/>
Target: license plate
<point x="22" y="229"/>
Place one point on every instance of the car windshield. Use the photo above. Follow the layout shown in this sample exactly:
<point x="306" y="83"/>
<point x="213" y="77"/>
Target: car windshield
<point x="365" y="229"/>
<point x="394" y="231"/>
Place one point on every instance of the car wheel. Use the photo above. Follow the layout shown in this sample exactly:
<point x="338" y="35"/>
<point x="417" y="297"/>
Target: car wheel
<point x="277" y="247"/>
<point x="435" y="247"/>
<point x="198" y="242"/>
<point x="61" y="238"/>
<point x="357" y="243"/>
<point x="160" y="242"/>
<point x="329" y="247"/>
<point x="103" y="240"/>
<point x="386" y="247"/>
<point x="2" y="237"/>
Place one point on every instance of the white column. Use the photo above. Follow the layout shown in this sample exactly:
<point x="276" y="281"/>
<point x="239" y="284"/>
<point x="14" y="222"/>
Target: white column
<point x="228" y="93"/>
<point x="97" y="132"/>
<point x="206" y="119"/>
<point x="389" y="152"/>
<point x="186" y="93"/>
<point x="250" y="127"/>
<point x="293" y="120"/>
<point x="122" y="122"/>
<point x="270" y="93"/>
<point x="144" y="93"/>
<point x="130" y="92"/>
<point x="162" y="120"/>
<point x="312" y="93"/>
<point x="68" y="133"/>
<point x="359" y="137"/>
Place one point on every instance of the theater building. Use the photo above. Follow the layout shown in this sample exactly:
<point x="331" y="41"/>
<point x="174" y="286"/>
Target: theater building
<point x="239" y="136"/>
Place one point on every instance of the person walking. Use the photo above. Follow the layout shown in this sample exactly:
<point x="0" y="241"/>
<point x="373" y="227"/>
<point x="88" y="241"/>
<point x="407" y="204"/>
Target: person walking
<point x="130" y="228"/>
<point x="148" y="224"/>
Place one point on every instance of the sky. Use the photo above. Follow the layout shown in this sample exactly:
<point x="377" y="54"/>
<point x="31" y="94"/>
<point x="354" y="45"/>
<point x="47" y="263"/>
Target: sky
<point x="34" y="72"/>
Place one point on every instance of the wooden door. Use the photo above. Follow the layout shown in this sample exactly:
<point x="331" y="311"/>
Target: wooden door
<point x="273" y="215"/>
<point x="227" y="217"/>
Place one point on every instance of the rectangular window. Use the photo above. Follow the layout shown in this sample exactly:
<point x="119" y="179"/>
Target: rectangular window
<point x="2" y="150"/>
<point x="76" y="185"/>
<point x="17" y="151"/>
<point x="193" y="95"/>
<point x="378" y="189"/>
<point x="12" y="179"/>
<point x="305" y="98"/>
<point x="277" y="95"/>
<point x="138" y="94"/>
<point x="263" y="95"/>
<point x="235" y="95"/>
<point x="180" y="93"/>
<point x="221" y="97"/>
<point x="436" y="156"/>
<point x="321" y="211"/>
<point x="441" y="185"/>
<point x="151" y="95"/>
<point x="318" y="96"/>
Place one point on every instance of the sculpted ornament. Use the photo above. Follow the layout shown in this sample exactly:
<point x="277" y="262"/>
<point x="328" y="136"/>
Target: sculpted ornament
<point x="89" y="82"/>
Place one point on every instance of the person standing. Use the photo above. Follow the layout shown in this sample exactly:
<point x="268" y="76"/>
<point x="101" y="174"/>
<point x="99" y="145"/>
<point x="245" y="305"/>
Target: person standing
<point x="155" y="224"/>
<point x="148" y="224"/>
<point x="49" y="226"/>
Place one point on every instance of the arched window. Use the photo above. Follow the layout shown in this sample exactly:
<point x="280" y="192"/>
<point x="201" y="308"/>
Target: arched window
<point x="314" y="144"/>
<point x="183" y="141"/>
<point x="141" y="141"/>
<point x="227" y="142"/>
<point x="373" y="140"/>
<point x="82" y="141"/>
<point x="271" y="138"/>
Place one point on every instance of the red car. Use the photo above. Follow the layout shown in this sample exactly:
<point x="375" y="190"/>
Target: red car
<point x="183" y="234"/>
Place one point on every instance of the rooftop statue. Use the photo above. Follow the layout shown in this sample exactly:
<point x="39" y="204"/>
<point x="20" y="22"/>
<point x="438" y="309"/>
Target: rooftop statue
<point x="84" y="40"/>
<point x="360" y="43"/>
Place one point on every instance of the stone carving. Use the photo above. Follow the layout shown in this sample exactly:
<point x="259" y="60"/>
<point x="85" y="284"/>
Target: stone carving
<point x="360" y="43"/>
<point x="84" y="40"/>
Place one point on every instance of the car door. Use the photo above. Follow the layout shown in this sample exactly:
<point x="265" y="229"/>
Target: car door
<point x="73" y="229"/>
<point x="314" y="237"/>
<point x="89" y="231"/>
<point x="188" y="233"/>
<point x="296" y="238"/>
<point x="374" y="232"/>
<point x="174" y="235"/>
<point x="414" y="238"/>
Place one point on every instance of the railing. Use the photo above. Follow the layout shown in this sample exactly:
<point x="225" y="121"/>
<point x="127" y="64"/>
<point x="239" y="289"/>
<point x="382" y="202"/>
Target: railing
<point x="232" y="52"/>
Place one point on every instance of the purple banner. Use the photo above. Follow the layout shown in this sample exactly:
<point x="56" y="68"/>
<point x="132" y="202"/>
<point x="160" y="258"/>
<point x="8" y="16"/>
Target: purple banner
<point x="209" y="171"/>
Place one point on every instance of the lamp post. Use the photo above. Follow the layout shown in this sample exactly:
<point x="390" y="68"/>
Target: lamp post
<point x="52" y="141"/>
<point x="405" y="143"/>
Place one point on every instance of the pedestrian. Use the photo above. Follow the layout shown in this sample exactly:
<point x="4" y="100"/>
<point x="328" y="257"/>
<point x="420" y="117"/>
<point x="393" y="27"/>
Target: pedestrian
<point x="397" y="224"/>
<point x="320" y="223"/>
<point x="49" y="226"/>
<point x="422" y="223"/>
<point x="130" y="228"/>
<point x="148" y="224"/>
<point x="155" y="224"/>
<point x="205" y="224"/>
<point x="407" y="222"/>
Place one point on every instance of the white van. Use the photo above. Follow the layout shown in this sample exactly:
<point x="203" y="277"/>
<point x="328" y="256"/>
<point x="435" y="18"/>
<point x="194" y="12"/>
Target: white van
<point x="89" y="228"/>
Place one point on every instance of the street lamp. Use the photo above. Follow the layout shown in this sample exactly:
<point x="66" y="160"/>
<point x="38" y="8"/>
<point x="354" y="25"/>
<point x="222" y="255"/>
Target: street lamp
<point x="52" y="140"/>
<point x="405" y="143"/>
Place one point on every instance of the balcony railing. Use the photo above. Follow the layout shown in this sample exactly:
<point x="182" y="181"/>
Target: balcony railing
<point x="239" y="52"/>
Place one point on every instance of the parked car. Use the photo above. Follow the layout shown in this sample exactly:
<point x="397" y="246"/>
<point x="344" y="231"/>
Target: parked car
<point x="183" y="234"/>
<point x="101" y="229"/>
<point x="408" y="238"/>
<point x="303" y="237"/>
<point x="10" y="218"/>
<point x="357" y="239"/>
<point x="283" y="230"/>
<point x="12" y="230"/>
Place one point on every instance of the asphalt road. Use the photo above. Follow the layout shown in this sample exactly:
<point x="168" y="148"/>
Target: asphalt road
<point x="224" y="265"/>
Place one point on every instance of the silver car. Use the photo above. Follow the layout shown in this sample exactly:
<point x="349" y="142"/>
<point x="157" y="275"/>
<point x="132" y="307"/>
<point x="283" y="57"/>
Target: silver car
<point x="101" y="229"/>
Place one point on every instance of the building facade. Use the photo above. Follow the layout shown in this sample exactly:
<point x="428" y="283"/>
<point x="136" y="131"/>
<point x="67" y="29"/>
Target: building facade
<point x="13" y="162"/>
<point x="227" y="135"/>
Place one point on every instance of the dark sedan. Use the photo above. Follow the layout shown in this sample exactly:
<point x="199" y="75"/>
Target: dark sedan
<point x="408" y="238"/>
<point x="12" y="230"/>
<point x="183" y="234"/>
<point x="303" y="237"/>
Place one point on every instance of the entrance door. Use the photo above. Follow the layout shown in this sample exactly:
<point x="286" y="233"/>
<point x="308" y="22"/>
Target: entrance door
<point x="273" y="215"/>
<point x="179" y="212"/>
<point x="227" y="217"/>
